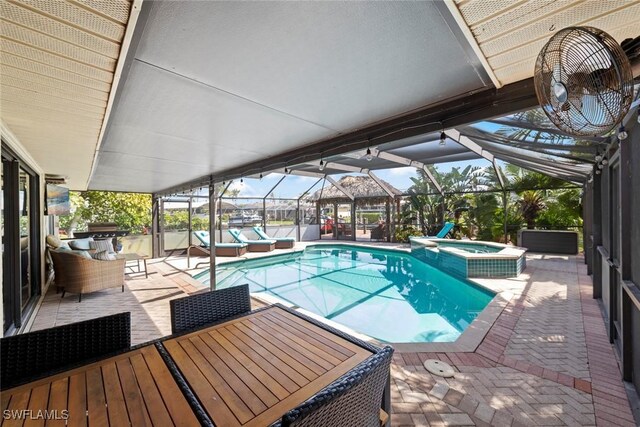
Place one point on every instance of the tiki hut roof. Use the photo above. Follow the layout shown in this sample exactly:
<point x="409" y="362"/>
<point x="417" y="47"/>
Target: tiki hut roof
<point x="363" y="188"/>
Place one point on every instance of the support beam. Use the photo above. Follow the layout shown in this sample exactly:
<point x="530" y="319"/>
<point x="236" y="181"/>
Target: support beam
<point x="432" y="178"/>
<point x="490" y="156"/>
<point x="274" y="187"/>
<point x="345" y="168"/>
<point x="155" y="226"/>
<point x="498" y="174"/>
<point x="213" y="208"/>
<point x="309" y="189"/>
<point x="307" y="173"/>
<point x="190" y="222"/>
<point x="469" y="144"/>
<point x="505" y="121"/>
<point x="407" y="162"/>
<point x="340" y="187"/>
<point x="382" y="185"/>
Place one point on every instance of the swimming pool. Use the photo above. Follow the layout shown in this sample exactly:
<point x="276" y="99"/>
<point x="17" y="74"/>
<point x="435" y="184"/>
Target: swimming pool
<point x="388" y="295"/>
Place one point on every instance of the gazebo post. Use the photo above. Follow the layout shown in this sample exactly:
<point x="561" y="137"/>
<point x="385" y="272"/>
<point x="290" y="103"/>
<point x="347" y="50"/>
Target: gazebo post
<point x="397" y="214"/>
<point x="388" y="212"/>
<point x="318" y="218"/>
<point x="335" y="221"/>
<point x="353" y="220"/>
<point x="219" y="199"/>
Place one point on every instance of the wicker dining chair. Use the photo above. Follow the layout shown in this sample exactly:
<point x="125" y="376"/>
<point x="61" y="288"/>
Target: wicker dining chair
<point x="201" y="309"/>
<point x="27" y="357"/>
<point x="352" y="400"/>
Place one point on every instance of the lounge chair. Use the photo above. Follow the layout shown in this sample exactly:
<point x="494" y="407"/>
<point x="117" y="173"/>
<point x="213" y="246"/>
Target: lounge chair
<point x="281" y="242"/>
<point x="202" y="309"/>
<point x="27" y="357"/>
<point x="254" y="245"/>
<point x="222" y="249"/>
<point x="442" y="234"/>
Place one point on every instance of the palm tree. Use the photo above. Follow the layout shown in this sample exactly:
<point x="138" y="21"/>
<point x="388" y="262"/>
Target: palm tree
<point x="530" y="205"/>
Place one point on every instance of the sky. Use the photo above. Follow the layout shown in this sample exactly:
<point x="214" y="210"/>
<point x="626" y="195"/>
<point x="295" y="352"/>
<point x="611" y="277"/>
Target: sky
<point x="293" y="186"/>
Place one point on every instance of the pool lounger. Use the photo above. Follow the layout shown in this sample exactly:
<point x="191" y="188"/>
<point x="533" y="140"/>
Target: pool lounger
<point x="231" y="249"/>
<point x="222" y="249"/>
<point x="254" y="245"/>
<point x="281" y="242"/>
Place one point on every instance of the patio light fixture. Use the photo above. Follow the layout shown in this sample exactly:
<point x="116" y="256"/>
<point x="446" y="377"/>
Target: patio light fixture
<point x="443" y="138"/>
<point x="321" y="165"/>
<point x="622" y="133"/>
<point x="369" y="156"/>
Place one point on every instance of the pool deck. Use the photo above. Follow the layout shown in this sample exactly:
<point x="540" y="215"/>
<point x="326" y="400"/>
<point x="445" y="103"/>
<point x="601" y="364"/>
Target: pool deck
<point x="543" y="357"/>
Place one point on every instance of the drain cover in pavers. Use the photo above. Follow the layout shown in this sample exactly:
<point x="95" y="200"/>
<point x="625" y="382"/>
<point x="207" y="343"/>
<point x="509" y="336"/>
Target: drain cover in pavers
<point x="439" y="368"/>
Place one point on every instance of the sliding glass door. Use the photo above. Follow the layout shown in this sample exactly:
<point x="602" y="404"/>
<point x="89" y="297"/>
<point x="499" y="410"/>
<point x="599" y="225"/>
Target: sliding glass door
<point x="20" y="228"/>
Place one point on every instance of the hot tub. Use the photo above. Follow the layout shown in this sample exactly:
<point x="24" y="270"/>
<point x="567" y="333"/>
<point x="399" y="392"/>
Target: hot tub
<point x="471" y="258"/>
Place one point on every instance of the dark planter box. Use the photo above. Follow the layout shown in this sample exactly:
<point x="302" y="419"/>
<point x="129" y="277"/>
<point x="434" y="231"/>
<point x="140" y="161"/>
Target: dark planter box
<point x="549" y="241"/>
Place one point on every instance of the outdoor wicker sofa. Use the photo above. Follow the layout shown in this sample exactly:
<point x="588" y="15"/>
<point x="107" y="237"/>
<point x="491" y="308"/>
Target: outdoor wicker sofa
<point x="80" y="275"/>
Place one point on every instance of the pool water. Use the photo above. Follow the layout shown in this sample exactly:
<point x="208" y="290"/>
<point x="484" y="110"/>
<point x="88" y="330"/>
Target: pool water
<point x="388" y="295"/>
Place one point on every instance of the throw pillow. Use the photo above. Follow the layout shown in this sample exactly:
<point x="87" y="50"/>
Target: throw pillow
<point x="81" y="244"/>
<point x="102" y="245"/>
<point x="56" y="243"/>
<point x="81" y="254"/>
<point x="104" y="256"/>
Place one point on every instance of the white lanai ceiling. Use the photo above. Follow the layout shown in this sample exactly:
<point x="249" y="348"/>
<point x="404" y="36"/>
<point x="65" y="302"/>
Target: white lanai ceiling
<point x="215" y="85"/>
<point x="510" y="34"/>
<point x="57" y="67"/>
<point x="210" y="87"/>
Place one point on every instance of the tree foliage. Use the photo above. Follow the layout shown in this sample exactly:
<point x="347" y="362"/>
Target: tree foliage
<point x="475" y="202"/>
<point x="130" y="211"/>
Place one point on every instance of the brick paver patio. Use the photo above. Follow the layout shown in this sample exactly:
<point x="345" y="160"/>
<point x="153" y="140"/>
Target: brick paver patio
<point x="545" y="361"/>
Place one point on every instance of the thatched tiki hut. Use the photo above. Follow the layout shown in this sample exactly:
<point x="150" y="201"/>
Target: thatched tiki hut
<point x="356" y="191"/>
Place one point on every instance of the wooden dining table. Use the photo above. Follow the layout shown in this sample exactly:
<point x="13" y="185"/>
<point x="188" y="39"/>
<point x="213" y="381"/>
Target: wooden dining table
<point x="251" y="370"/>
<point x="133" y="388"/>
<point x="248" y="371"/>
